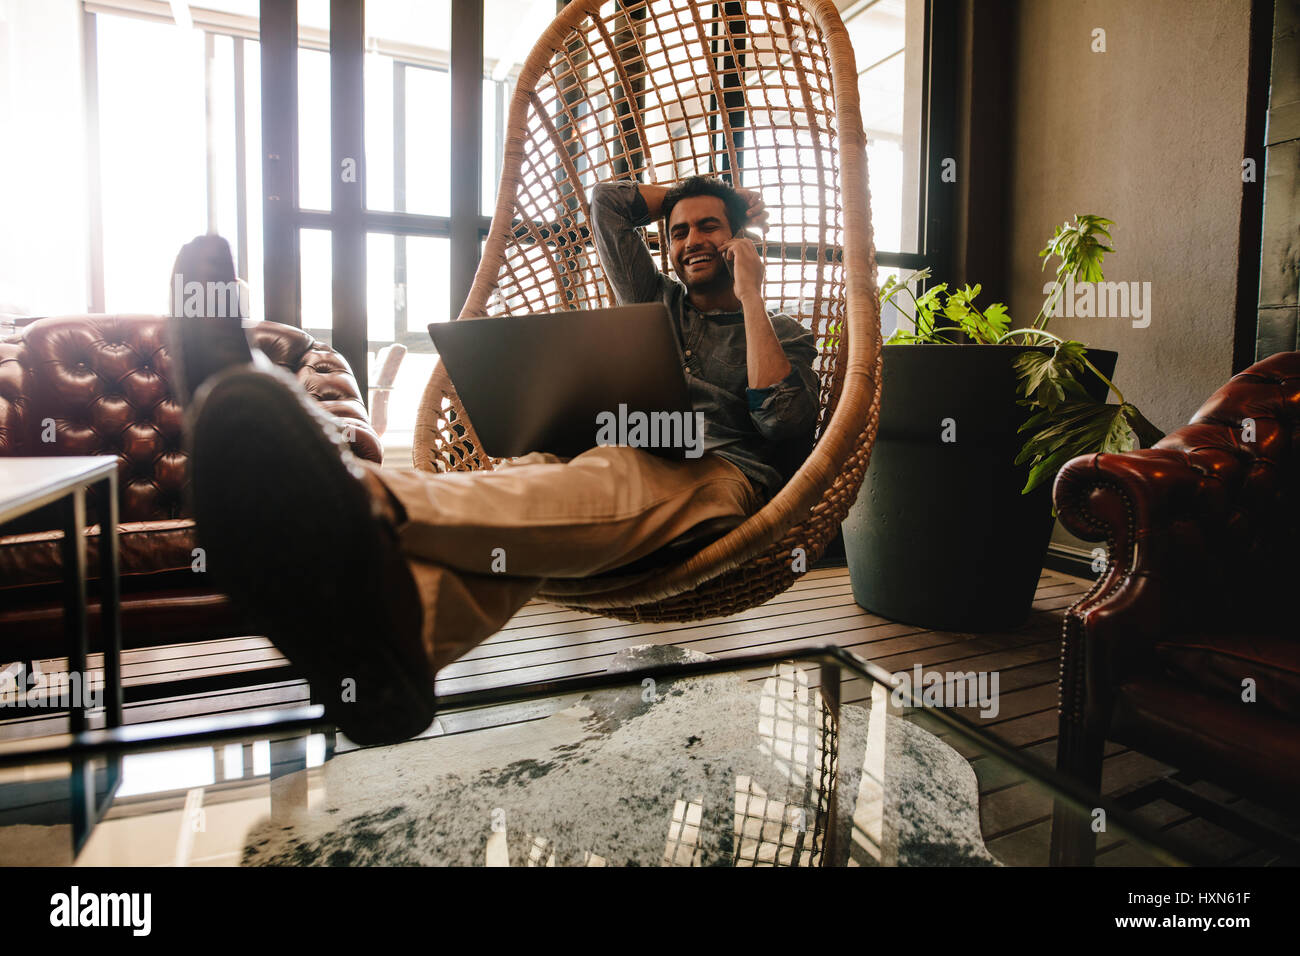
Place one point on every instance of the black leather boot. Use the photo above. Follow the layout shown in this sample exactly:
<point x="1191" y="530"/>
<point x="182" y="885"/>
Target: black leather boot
<point x="205" y="333"/>
<point x="307" y="549"/>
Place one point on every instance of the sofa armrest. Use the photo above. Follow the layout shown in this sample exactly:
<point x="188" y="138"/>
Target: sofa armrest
<point x="14" y="387"/>
<point x="327" y="377"/>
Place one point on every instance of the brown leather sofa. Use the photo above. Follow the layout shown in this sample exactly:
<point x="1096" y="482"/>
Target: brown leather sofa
<point x="101" y="384"/>
<point x="1197" y="606"/>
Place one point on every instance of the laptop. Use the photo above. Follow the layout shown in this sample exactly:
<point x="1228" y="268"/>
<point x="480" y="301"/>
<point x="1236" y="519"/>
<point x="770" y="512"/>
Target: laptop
<point x="565" y="382"/>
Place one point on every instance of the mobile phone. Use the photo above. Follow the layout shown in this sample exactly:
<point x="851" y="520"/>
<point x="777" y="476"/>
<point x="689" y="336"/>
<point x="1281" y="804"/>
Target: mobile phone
<point x="726" y="260"/>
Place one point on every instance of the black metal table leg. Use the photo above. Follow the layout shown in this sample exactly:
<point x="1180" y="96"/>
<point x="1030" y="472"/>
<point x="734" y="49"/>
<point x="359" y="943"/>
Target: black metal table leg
<point x="73" y="508"/>
<point x="830" y="690"/>
<point x="63" y="486"/>
<point x="110" y="619"/>
<point x="82" y="780"/>
<point x="110" y="604"/>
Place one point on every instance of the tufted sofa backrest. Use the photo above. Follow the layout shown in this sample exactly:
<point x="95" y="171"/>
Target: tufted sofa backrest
<point x="101" y="384"/>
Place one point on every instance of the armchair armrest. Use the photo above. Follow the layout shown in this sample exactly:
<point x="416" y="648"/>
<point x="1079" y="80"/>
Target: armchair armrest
<point x="1161" y="513"/>
<point x="1197" y="527"/>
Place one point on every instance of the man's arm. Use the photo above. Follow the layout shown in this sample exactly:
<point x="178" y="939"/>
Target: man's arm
<point x="617" y="209"/>
<point x="789" y="408"/>
<point x="783" y="387"/>
<point x="653" y="197"/>
<point x="763" y="353"/>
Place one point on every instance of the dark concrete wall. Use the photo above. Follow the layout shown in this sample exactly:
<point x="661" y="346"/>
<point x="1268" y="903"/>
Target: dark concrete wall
<point x="1279" y="328"/>
<point x="1149" y="133"/>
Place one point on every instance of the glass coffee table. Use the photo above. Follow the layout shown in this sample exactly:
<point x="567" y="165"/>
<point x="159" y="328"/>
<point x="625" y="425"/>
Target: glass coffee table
<point x="667" y="759"/>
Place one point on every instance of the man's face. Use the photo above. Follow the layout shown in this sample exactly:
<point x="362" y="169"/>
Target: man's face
<point x="697" y="228"/>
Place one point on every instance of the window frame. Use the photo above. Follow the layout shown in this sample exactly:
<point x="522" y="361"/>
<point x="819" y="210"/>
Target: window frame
<point x="350" y="221"/>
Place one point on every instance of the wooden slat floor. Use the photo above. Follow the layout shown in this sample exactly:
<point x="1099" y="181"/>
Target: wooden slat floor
<point x="545" y="642"/>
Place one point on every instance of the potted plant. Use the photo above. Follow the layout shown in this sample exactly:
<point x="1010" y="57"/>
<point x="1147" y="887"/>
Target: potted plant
<point x="954" y="517"/>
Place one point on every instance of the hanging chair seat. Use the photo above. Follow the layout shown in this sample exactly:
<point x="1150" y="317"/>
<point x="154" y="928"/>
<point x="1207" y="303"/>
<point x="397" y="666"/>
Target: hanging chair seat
<point x="765" y="96"/>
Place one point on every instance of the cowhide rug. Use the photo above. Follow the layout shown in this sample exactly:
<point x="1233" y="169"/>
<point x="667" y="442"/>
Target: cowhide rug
<point x="705" y="771"/>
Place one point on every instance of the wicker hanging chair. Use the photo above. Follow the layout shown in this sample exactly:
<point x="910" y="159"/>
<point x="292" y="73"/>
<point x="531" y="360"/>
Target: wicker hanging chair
<point x="761" y="93"/>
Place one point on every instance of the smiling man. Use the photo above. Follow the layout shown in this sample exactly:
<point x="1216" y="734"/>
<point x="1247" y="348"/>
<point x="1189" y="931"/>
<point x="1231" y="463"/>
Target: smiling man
<point x="370" y="580"/>
<point x="749" y="371"/>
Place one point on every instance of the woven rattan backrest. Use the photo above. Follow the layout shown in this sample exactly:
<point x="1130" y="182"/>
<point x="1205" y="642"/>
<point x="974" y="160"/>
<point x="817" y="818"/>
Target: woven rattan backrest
<point x="660" y="90"/>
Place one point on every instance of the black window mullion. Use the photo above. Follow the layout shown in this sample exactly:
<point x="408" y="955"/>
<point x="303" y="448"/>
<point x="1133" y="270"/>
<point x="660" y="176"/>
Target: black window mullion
<point x="466" y="137"/>
<point x="278" y="24"/>
<point x="399" y="198"/>
<point x="632" y="161"/>
<point x="241" y="163"/>
<point x="347" y="146"/>
<point x="95" y="211"/>
<point x="939" y="126"/>
<point x="500" y="138"/>
<point x="394" y="223"/>
<point x="733" y="94"/>
<point x="731" y="49"/>
<point x="210" y="129"/>
<point x="714" y="138"/>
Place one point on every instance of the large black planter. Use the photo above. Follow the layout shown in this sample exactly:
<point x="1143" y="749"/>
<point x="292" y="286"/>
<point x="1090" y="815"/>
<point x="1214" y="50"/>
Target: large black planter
<point x="940" y="535"/>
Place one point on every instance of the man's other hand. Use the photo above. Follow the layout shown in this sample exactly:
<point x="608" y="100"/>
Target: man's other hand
<point x="757" y="210"/>
<point x="746" y="268"/>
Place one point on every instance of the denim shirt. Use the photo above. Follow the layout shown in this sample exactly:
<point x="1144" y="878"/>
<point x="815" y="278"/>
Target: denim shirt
<point x="765" y="432"/>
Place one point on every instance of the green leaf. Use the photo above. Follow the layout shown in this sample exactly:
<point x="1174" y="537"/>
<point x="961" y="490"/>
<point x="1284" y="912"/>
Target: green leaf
<point x="1076" y="428"/>
<point x="997" y="316"/>
<point x="981" y="326"/>
<point x="926" y="307"/>
<point x="928" y="301"/>
<point x="925" y="312"/>
<point x="956" y="308"/>
<point x="1147" y="433"/>
<point x="966" y="294"/>
<point x="1046" y="469"/>
<point x="911" y="278"/>
<point x="986" y="326"/>
<point x="887" y="290"/>
<point x="1047" y="379"/>
<point x="1080" y="427"/>
<point x="1080" y="248"/>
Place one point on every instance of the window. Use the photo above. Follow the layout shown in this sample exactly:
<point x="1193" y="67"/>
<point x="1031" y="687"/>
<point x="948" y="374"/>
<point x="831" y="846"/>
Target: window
<point x="44" y="223"/>
<point x="887" y="44"/>
<point x="138" y="134"/>
<point x="170" y="119"/>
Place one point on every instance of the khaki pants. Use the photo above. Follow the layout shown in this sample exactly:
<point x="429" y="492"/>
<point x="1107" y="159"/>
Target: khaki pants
<point x="480" y="544"/>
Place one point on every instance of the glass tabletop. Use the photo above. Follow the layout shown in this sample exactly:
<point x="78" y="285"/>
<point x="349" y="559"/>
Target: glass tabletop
<point x="750" y="766"/>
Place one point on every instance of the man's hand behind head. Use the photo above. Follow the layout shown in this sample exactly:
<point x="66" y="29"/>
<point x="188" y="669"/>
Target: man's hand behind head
<point x="757" y="210"/>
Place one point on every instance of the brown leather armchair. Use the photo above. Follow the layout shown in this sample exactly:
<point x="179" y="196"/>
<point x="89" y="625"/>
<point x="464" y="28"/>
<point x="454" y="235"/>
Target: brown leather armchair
<point x="101" y="384"/>
<point x="1188" y="646"/>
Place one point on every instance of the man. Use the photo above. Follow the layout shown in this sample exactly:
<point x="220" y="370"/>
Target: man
<point x="749" y="373"/>
<point x="370" y="580"/>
